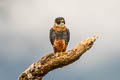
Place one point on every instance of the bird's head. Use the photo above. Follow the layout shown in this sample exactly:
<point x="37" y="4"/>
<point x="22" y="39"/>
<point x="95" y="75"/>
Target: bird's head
<point x="60" y="22"/>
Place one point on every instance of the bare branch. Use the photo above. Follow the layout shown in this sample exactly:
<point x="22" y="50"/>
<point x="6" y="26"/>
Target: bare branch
<point x="54" y="60"/>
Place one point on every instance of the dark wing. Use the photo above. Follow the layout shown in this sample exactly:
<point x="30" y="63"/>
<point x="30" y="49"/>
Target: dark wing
<point x="67" y="36"/>
<point x="52" y="36"/>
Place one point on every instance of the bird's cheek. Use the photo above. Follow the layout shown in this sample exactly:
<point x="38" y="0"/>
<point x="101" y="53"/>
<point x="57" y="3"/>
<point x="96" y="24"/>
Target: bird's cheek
<point x="62" y="24"/>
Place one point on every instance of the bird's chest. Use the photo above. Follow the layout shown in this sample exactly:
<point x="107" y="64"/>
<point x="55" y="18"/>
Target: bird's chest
<point x="59" y="34"/>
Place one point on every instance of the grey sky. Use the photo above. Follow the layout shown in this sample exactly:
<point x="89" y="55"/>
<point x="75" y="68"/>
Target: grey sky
<point x="24" y="36"/>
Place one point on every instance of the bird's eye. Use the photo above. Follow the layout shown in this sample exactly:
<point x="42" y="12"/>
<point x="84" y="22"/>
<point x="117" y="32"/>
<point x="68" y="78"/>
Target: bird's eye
<point x="62" y="21"/>
<point x="58" y="22"/>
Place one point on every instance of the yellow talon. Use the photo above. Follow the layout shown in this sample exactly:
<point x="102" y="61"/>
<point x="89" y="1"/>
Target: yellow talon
<point x="61" y="53"/>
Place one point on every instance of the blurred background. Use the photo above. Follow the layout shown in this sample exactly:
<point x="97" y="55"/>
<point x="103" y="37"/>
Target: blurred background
<point x="24" y="37"/>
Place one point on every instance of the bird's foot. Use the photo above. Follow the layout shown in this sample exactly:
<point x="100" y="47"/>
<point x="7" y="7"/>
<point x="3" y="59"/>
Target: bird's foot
<point x="62" y="53"/>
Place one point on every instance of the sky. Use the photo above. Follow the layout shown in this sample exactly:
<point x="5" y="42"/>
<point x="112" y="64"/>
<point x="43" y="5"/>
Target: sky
<point x="24" y="37"/>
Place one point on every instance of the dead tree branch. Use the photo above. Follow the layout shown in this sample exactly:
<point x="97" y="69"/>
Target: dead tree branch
<point x="53" y="61"/>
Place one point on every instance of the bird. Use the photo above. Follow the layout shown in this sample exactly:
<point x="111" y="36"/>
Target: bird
<point x="59" y="35"/>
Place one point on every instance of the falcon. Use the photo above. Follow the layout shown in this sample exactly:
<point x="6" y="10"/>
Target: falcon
<point x="59" y="35"/>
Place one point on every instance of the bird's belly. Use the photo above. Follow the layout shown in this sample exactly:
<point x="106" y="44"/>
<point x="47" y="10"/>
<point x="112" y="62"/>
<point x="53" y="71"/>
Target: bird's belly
<point x="59" y="45"/>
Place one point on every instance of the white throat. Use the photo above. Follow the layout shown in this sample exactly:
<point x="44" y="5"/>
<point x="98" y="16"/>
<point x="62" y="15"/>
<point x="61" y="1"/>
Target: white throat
<point x="60" y="25"/>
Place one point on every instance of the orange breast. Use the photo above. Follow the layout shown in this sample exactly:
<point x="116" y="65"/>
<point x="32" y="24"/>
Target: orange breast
<point x="59" y="28"/>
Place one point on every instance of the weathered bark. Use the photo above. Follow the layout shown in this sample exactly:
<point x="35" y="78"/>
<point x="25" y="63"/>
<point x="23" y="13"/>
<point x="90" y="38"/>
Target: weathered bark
<point x="56" y="60"/>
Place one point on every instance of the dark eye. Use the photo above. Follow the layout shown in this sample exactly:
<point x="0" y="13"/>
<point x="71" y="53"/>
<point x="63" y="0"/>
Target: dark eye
<point x="58" y="22"/>
<point x="63" y="22"/>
